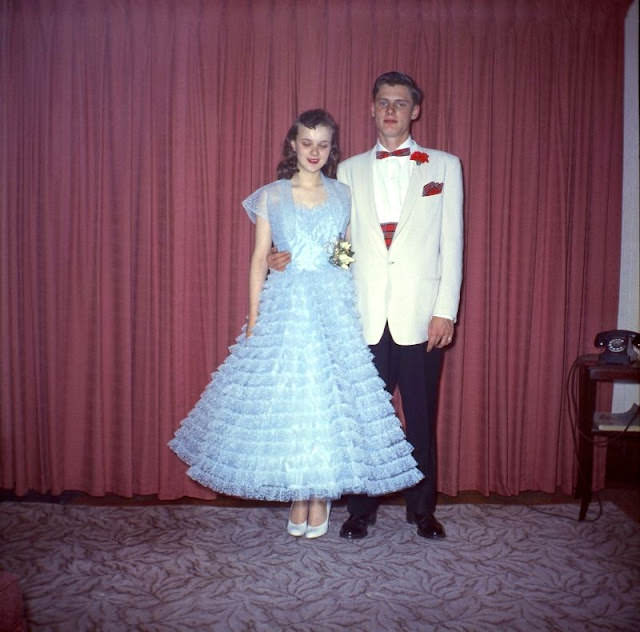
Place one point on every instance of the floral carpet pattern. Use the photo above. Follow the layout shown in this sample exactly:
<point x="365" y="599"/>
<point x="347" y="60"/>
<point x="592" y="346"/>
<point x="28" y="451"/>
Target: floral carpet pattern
<point x="186" y="567"/>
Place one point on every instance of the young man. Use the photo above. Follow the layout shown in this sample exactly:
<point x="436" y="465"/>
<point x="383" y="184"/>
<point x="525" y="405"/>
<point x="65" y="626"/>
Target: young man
<point x="406" y="231"/>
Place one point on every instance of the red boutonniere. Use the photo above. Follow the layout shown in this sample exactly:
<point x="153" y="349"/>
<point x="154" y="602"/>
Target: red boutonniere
<point x="419" y="157"/>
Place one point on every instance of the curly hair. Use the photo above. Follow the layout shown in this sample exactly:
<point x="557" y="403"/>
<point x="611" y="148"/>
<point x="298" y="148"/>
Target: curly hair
<point x="288" y="166"/>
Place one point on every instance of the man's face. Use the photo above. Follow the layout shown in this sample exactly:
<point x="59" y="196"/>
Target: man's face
<point x="393" y="111"/>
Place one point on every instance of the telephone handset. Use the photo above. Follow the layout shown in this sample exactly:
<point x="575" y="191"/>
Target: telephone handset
<point x="620" y="346"/>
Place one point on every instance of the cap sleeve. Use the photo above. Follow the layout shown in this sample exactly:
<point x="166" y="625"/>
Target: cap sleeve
<point x="256" y="204"/>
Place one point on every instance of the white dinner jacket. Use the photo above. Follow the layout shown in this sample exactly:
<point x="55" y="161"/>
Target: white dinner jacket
<point x="419" y="276"/>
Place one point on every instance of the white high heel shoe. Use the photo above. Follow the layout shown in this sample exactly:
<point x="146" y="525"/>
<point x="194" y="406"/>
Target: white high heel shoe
<point x="296" y="529"/>
<point x="321" y="529"/>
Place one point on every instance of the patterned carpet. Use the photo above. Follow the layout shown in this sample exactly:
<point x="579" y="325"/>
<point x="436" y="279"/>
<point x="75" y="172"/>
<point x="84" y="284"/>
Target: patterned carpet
<point x="178" y="567"/>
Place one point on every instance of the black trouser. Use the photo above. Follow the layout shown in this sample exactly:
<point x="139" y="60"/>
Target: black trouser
<point x="417" y="375"/>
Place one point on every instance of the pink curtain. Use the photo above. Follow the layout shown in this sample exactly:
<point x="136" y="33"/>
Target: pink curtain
<point x="131" y="130"/>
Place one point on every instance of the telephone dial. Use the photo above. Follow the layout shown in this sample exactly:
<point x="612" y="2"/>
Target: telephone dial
<point x="620" y="346"/>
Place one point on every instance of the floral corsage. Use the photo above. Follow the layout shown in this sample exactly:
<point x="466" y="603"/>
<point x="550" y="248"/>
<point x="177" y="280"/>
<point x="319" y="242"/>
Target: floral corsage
<point x="341" y="253"/>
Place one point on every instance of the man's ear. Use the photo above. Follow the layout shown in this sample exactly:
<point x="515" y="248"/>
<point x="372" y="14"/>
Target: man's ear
<point x="415" y="112"/>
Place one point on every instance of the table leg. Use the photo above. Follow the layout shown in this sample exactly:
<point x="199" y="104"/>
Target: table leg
<point x="586" y="405"/>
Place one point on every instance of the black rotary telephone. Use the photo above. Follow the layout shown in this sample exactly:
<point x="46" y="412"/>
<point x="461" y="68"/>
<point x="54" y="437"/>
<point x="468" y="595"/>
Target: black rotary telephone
<point x="620" y="346"/>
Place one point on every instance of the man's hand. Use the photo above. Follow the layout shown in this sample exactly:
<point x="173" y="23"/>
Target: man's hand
<point x="278" y="260"/>
<point x="440" y="333"/>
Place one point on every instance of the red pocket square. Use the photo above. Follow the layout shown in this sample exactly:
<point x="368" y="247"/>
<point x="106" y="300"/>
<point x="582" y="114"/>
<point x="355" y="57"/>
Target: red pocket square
<point x="433" y="188"/>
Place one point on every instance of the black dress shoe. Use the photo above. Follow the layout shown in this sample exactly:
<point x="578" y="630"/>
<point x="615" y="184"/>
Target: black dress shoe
<point x="428" y="526"/>
<point x="355" y="527"/>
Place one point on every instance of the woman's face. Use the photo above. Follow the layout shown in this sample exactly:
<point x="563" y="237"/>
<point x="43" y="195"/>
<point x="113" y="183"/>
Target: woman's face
<point x="312" y="147"/>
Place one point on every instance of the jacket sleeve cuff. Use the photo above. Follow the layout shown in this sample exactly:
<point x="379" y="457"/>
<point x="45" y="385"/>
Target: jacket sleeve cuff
<point x="447" y="316"/>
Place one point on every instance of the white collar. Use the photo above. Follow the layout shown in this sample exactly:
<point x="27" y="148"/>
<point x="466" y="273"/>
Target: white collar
<point x="407" y="143"/>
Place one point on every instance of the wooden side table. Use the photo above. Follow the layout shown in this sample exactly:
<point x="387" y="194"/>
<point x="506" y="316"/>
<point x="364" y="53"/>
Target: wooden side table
<point x="590" y="372"/>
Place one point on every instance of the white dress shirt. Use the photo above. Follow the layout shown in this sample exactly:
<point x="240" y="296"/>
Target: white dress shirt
<point x="390" y="183"/>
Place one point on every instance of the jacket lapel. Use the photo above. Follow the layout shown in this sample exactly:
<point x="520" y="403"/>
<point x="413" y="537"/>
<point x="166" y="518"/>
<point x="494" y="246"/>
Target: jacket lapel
<point x="419" y="175"/>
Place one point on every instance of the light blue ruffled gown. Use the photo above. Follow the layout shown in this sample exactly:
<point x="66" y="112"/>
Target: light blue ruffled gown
<point x="297" y="410"/>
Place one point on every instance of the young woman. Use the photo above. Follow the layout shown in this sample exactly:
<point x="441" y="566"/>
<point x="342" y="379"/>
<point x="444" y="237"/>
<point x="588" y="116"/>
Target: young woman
<point x="297" y="411"/>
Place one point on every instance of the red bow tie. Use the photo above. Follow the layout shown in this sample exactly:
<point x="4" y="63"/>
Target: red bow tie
<point x="398" y="152"/>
